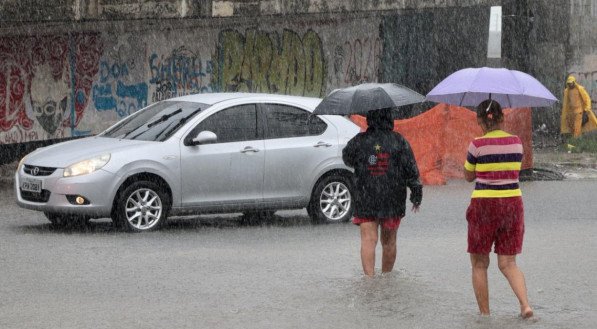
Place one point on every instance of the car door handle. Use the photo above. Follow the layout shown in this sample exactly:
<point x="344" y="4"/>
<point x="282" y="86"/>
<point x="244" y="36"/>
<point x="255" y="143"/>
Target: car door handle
<point x="321" y="143"/>
<point x="249" y="149"/>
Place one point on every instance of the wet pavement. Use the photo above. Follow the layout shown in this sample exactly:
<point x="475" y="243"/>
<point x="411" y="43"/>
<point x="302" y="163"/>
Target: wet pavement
<point x="570" y="165"/>
<point x="212" y="272"/>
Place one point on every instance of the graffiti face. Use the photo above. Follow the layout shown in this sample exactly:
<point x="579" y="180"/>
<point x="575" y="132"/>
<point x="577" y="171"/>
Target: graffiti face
<point x="38" y="75"/>
<point x="50" y="114"/>
<point x="49" y="99"/>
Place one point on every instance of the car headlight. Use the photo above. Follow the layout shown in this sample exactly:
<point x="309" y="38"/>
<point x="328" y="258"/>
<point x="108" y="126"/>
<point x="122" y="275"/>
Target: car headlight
<point x="21" y="163"/>
<point x="86" y="166"/>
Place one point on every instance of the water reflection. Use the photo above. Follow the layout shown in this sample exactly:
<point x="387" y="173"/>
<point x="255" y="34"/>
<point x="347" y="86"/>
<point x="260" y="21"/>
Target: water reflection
<point x="387" y="295"/>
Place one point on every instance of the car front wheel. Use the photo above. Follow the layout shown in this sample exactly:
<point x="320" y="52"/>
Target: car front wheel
<point x="331" y="201"/>
<point x="142" y="206"/>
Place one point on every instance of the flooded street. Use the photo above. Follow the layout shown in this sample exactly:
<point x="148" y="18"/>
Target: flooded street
<point x="213" y="272"/>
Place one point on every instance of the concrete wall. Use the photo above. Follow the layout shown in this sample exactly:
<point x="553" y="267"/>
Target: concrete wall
<point x="71" y="68"/>
<point x="535" y="38"/>
<point x="77" y="10"/>
<point x="582" y="47"/>
<point x="423" y="46"/>
<point x="15" y="11"/>
<point x="38" y="11"/>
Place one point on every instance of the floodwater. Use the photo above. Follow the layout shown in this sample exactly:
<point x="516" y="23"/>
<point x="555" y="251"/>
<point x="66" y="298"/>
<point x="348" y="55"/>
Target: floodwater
<point x="211" y="272"/>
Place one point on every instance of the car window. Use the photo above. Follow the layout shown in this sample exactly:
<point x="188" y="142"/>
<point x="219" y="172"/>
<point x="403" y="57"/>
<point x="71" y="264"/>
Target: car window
<point x="288" y="121"/>
<point x="234" y="124"/>
<point x="156" y="122"/>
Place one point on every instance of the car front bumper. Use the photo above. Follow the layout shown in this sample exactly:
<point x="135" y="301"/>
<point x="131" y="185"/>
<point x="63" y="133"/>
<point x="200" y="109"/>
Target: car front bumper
<point x="98" y="188"/>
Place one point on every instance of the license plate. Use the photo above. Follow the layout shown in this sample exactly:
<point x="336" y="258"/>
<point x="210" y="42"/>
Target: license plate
<point x="31" y="185"/>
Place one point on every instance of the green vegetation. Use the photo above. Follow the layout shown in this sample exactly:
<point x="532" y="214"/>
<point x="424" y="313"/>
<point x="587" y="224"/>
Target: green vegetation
<point x="587" y="143"/>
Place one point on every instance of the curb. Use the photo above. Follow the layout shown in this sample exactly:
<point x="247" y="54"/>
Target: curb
<point x="571" y="164"/>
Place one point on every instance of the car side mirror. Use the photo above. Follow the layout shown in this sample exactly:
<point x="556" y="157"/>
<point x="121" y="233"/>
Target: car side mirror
<point x="204" y="137"/>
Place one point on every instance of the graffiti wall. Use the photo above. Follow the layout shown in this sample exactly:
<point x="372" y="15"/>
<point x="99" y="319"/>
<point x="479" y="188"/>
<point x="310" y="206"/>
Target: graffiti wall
<point x="356" y="56"/>
<point x="76" y="84"/>
<point x="45" y="85"/>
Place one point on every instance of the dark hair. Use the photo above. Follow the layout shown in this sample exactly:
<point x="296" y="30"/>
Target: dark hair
<point x="380" y="119"/>
<point x="490" y="113"/>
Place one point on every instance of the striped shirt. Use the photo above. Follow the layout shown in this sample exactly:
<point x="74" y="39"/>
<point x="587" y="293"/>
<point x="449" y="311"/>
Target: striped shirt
<point x="496" y="158"/>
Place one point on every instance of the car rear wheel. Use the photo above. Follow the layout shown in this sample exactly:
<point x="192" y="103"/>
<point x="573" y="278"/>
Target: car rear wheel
<point x="331" y="201"/>
<point x="141" y="206"/>
<point x="62" y="220"/>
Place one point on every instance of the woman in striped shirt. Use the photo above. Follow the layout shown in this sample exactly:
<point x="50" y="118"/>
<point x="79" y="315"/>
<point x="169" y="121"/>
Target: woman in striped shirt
<point x="495" y="214"/>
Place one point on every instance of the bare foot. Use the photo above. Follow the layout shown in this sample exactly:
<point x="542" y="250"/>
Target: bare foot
<point x="526" y="312"/>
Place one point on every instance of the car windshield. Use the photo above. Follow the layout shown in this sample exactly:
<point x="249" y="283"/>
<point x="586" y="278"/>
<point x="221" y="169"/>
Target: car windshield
<point x="156" y="122"/>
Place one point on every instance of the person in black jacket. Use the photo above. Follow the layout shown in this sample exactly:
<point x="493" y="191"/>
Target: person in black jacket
<point x="384" y="167"/>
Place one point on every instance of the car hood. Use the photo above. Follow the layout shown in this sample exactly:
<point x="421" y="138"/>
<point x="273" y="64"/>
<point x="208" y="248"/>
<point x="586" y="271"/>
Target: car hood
<point x="65" y="154"/>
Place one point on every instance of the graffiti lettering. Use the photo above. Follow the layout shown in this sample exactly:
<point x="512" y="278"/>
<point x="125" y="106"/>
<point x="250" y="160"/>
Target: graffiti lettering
<point x="132" y="97"/>
<point x="164" y="90"/>
<point x="263" y="62"/>
<point x="181" y="73"/>
<point x="357" y="61"/>
<point x="19" y="135"/>
<point x="115" y="71"/>
<point x="113" y="94"/>
<point x="102" y="97"/>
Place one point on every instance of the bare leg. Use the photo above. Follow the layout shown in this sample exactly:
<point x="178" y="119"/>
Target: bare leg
<point x="368" y="244"/>
<point x="507" y="264"/>
<point x="388" y="243"/>
<point x="480" y="263"/>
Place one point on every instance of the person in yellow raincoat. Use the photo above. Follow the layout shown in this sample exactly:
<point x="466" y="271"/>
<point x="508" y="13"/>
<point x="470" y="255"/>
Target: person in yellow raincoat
<point x="576" y="101"/>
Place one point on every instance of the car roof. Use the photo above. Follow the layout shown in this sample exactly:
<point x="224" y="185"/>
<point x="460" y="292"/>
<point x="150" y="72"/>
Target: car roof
<point x="213" y="98"/>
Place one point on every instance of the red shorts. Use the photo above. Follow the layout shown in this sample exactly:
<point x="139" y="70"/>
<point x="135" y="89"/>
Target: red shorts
<point x="495" y="220"/>
<point x="391" y="223"/>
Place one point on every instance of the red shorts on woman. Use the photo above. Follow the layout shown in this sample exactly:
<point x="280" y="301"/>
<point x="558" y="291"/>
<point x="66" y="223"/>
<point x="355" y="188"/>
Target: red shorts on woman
<point x="391" y="223"/>
<point x="498" y="221"/>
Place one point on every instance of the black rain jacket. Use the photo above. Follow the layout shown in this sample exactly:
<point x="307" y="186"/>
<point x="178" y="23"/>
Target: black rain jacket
<point x="384" y="166"/>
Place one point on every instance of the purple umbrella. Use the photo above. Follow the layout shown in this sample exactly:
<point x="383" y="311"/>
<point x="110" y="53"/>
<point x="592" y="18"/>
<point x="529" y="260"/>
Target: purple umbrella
<point x="510" y="88"/>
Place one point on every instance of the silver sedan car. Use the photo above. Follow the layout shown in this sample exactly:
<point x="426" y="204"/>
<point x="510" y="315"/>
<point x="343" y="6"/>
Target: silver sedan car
<point x="204" y="153"/>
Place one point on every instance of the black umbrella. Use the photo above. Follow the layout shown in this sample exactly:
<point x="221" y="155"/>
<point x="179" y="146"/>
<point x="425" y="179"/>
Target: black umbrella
<point x="366" y="97"/>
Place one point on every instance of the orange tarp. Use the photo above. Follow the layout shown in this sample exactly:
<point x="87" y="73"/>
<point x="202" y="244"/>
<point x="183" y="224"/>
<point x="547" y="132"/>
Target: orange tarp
<point x="440" y="138"/>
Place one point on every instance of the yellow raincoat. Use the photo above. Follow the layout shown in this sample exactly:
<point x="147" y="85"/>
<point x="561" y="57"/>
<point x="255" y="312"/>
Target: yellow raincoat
<point x="568" y="110"/>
